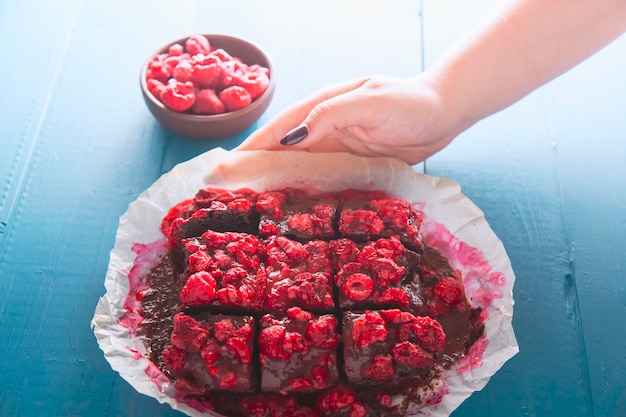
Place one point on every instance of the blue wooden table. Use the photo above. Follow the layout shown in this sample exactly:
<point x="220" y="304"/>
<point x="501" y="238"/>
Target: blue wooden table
<point x="78" y="145"/>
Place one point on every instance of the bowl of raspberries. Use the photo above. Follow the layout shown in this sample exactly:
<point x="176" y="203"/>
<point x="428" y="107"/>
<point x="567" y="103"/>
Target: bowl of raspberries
<point x="208" y="85"/>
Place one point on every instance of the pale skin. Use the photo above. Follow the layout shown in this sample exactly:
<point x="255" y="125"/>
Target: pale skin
<point x="513" y="52"/>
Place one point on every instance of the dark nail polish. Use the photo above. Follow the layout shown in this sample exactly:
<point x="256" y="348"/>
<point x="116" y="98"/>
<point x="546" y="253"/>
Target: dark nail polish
<point x="294" y="136"/>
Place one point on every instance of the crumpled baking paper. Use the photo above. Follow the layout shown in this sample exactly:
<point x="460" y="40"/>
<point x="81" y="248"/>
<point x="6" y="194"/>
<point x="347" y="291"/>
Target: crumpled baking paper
<point x="453" y="224"/>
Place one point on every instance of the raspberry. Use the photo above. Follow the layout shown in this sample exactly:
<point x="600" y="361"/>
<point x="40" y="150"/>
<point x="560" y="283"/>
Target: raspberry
<point x="296" y="313"/>
<point x="381" y="368"/>
<point x="235" y="98"/>
<point x="232" y="72"/>
<point x="270" y="342"/>
<point x="207" y="102"/>
<point x="294" y="343"/>
<point x="200" y="261"/>
<point x="254" y="82"/>
<point x="239" y="347"/>
<point x="183" y="72"/>
<point x="207" y="70"/>
<point x="395" y="296"/>
<point x="294" y="250"/>
<point x="358" y="287"/>
<point x="322" y="332"/>
<point x="385" y="271"/>
<point x="255" y="406"/>
<point x="397" y="316"/>
<point x="302" y="223"/>
<point x="221" y="54"/>
<point x="334" y="399"/>
<point x="368" y="329"/>
<point x="197" y="44"/>
<point x="259" y="68"/>
<point x="175" y="50"/>
<point x="178" y="96"/>
<point x="300" y="383"/>
<point x="227" y="381"/>
<point x="385" y="400"/>
<point x="157" y="70"/>
<point x="360" y="222"/>
<point x="429" y="333"/>
<point x="198" y="290"/>
<point x="155" y="87"/>
<point x="449" y="290"/>
<point x="223" y="329"/>
<point x="174" y="357"/>
<point x="210" y="352"/>
<point x="345" y="250"/>
<point x="320" y="375"/>
<point x="412" y="355"/>
<point x="357" y="410"/>
<point x="188" y="333"/>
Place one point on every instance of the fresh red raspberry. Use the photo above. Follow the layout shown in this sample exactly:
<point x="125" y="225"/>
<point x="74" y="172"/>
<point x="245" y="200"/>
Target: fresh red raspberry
<point x="294" y="343"/>
<point x="381" y="368"/>
<point x="245" y="331"/>
<point x="183" y="71"/>
<point x="368" y="329"/>
<point x="234" y="276"/>
<point x="210" y="352"/>
<point x="385" y="400"/>
<point x="449" y="290"/>
<point x="223" y="329"/>
<point x="336" y="398"/>
<point x="200" y="261"/>
<point x="188" y="333"/>
<point x="385" y="271"/>
<point x="322" y="332"/>
<point x="207" y="70"/>
<point x="294" y="250"/>
<point x="254" y="405"/>
<point x="178" y="96"/>
<point x="229" y="296"/>
<point x="320" y="375"/>
<point x="240" y="205"/>
<point x="174" y="357"/>
<point x="221" y="54"/>
<point x="235" y="98"/>
<point x="296" y="313"/>
<point x="410" y="354"/>
<point x="360" y="222"/>
<point x="155" y="87"/>
<point x="394" y="296"/>
<point x="302" y="222"/>
<point x="158" y="70"/>
<point x="358" y="287"/>
<point x="175" y="50"/>
<point x="429" y="333"/>
<point x="227" y="381"/>
<point x="187" y="386"/>
<point x="232" y="72"/>
<point x="393" y="245"/>
<point x="397" y="316"/>
<point x="270" y="342"/>
<point x="357" y="410"/>
<point x="268" y="229"/>
<point x="255" y="82"/>
<point x="197" y="44"/>
<point x="238" y="347"/>
<point x="300" y="383"/>
<point x="198" y="290"/>
<point x="207" y="102"/>
<point x="270" y="203"/>
<point x="345" y="250"/>
<point x="404" y="332"/>
<point x="171" y="62"/>
<point x="259" y="68"/>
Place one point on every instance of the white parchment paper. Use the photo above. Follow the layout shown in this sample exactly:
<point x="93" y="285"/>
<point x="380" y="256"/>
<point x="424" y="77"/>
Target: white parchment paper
<point x="440" y="199"/>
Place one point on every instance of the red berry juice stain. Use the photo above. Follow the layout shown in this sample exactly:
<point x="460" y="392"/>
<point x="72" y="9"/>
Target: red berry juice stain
<point x="148" y="255"/>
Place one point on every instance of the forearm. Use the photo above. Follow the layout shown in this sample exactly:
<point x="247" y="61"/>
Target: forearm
<point x="520" y="48"/>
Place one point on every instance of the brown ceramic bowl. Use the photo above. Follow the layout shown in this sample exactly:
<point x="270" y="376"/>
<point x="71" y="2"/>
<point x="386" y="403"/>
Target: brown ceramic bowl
<point x="220" y="125"/>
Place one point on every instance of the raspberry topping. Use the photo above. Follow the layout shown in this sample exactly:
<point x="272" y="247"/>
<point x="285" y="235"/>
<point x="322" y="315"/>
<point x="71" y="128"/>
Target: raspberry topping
<point x="358" y="287"/>
<point x="449" y="290"/>
<point x="322" y="332"/>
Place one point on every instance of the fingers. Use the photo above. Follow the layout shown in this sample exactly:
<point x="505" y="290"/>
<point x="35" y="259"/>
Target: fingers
<point x="310" y="112"/>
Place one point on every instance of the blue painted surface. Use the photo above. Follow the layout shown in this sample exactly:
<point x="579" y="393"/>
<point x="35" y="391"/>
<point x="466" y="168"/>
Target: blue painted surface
<point x="78" y="145"/>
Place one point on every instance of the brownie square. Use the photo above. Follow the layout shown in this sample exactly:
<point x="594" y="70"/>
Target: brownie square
<point x="293" y="213"/>
<point x="389" y="345"/>
<point x="211" y="352"/>
<point x="362" y="218"/>
<point x="297" y="352"/>
<point x="213" y="209"/>
<point x="382" y="273"/>
<point x="298" y="275"/>
<point x="223" y="269"/>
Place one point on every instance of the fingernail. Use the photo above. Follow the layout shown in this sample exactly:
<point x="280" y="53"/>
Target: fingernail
<point x="294" y="136"/>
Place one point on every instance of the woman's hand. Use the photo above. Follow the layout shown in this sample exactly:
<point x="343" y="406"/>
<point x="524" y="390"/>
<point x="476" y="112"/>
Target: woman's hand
<point x="374" y="116"/>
